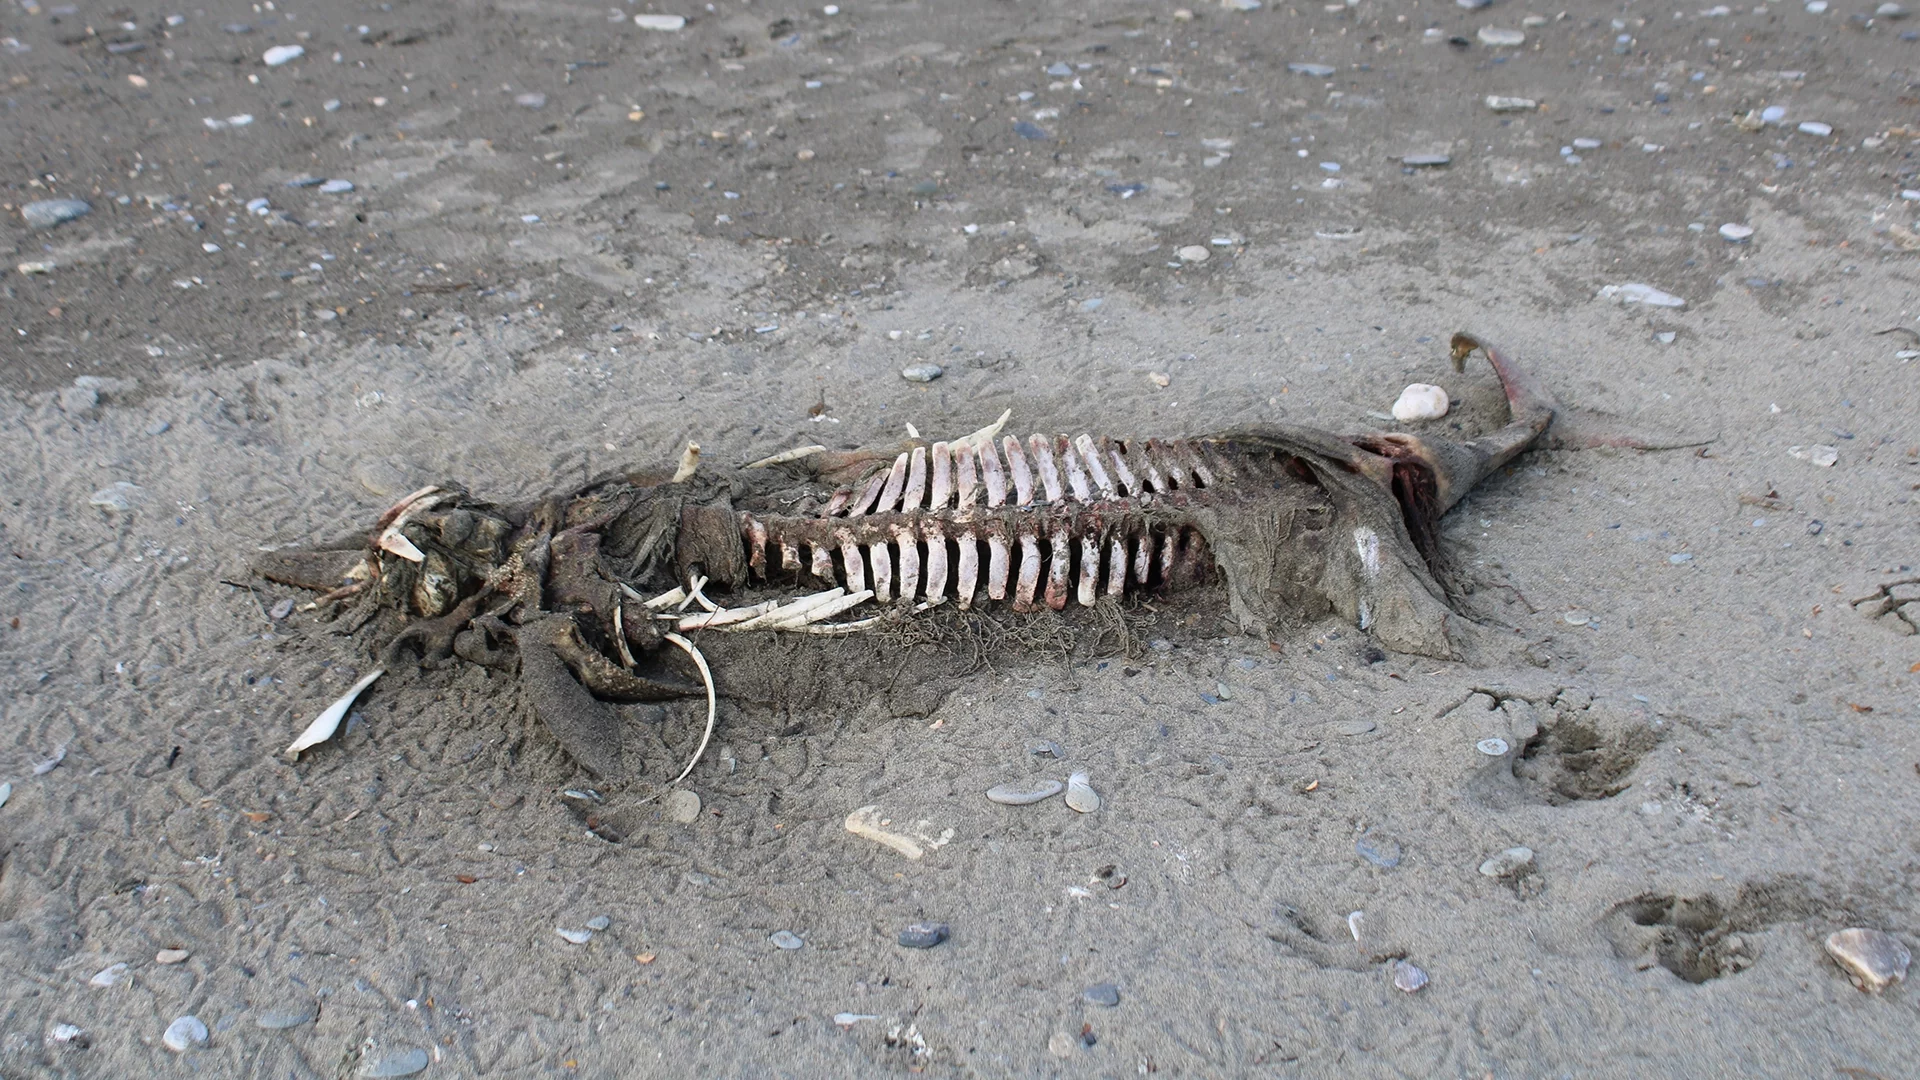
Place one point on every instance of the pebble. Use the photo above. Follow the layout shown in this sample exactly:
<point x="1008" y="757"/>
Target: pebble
<point x="1383" y="852"/>
<point x="1682" y="557"/>
<point x="1511" y="104"/>
<point x="1194" y="253"/>
<point x="1474" y="5"/>
<point x="111" y="975"/>
<point x="171" y="956"/>
<point x="1815" y="127"/>
<point x="282" y="1019"/>
<point x="1665" y="337"/>
<point x="47" y="213"/>
<point x="1773" y="114"/>
<point x="1736" y="234"/>
<point x="1421" y="401"/>
<point x="599" y="922"/>
<point x="33" y="267"/>
<point x="1502" y="37"/>
<point x="1105" y="994"/>
<point x="1872" y="959"/>
<point x="664" y="23"/>
<point x="281" y="610"/>
<point x="1080" y="794"/>
<point x="1494" y="747"/>
<point x="924" y="935"/>
<point x="335" y="187"/>
<point x="682" y="806"/>
<point x="1240" y="5"/>
<point x="786" y="939"/>
<point x="1635" y="292"/>
<point x="183" y="1034"/>
<point x="1507" y="863"/>
<point x="1586" y="144"/>
<point x="69" y="1035"/>
<point x="1029" y="130"/>
<point x="281" y="54"/>
<point x="535" y="100"/>
<point x="306" y="181"/>
<point x="1060" y="1044"/>
<point x="1577" y="617"/>
<point x="1060" y="70"/>
<point x="1024" y="794"/>
<point x="398" y="1063"/>
<point x="1425" y="161"/>
<point x="1407" y="977"/>
<point x="1318" y="71"/>
<point x="1354" y="727"/>
<point x="575" y="937"/>
<point x="923" y="372"/>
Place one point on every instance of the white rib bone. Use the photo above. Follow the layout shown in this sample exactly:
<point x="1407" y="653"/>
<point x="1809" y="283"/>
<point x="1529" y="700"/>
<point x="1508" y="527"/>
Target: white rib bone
<point x="696" y="595"/>
<point x="1128" y="485"/>
<point x="896" y="483"/>
<point x="724" y="617"/>
<point x="822" y="557"/>
<point x="909" y="546"/>
<point x="1170" y="460"/>
<point x="1022" y="476"/>
<point x="916" y="494"/>
<point x="828" y="610"/>
<point x="1166" y="555"/>
<point x="1076" y="476"/>
<point x="1142" y="558"/>
<point x="1029" y="568"/>
<point x="964" y="478"/>
<point x="995" y="477"/>
<point x="664" y="600"/>
<point x="1091" y="456"/>
<point x="998" y="569"/>
<point x="1196" y="463"/>
<point x="1041" y="448"/>
<point x="785" y="456"/>
<point x="856" y="567"/>
<point x="986" y="434"/>
<point x="942" y="492"/>
<point x="1116" y="566"/>
<point x="969" y="569"/>
<point x="756" y="538"/>
<point x="838" y="503"/>
<point x="936" y="561"/>
<point x="868" y="495"/>
<point x="1089" y="569"/>
<point x="395" y="542"/>
<point x="1059" y="568"/>
<point x="790" y="613"/>
<point x="882" y="557"/>
<point x="836" y="629"/>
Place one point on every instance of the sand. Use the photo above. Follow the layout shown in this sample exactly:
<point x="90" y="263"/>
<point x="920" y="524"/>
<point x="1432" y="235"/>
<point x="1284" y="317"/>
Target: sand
<point x="1714" y="761"/>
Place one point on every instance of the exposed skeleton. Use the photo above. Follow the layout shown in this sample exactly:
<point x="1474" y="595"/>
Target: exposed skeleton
<point x="1297" y="523"/>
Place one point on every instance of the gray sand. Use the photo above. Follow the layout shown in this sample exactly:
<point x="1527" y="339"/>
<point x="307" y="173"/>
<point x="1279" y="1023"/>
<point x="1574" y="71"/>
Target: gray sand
<point x="1717" y="769"/>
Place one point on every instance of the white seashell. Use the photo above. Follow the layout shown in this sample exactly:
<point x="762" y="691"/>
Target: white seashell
<point x="1024" y="794"/>
<point x="1509" y="863"/>
<point x="1080" y="794"/>
<point x="866" y="822"/>
<point x="183" y="1034"/>
<point x="1872" y="959"/>
<point x="328" y="722"/>
<point x="667" y="23"/>
<point x="1635" y="292"/>
<point x="577" y="937"/>
<point x="281" y="54"/>
<point x="681" y="806"/>
<point x="1407" y="977"/>
<point x="111" y="975"/>
<point x="1421" y="401"/>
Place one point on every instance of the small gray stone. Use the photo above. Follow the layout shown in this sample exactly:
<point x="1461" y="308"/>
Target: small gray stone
<point x="184" y="1034"/>
<point x="159" y="427"/>
<point x="1318" y="71"/>
<point x="1426" y="161"/>
<point x="922" y="372"/>
<point x="531" y="101"/>
<point x="1101" y="994"/>
<point x="574" y="937"/>
<point x="599" y="922"/>
<point x="1509" y="863"/>
<point x="47" y="213"/>
<point x="80" y="401"/>
<point x="306" y="181"/>
<point x="1353" y="727"/>
<point x="280" y="1019"/>
<point x="1060" y="70"/>
<point x="786" y="939"/>
<point x="396" y="1063"/>
<point x="924" y="935"/>
<point x="335" y="187"/>
<point x="1024" y="794"/>
<point x="681" y="806"/>
<point x="1080" y="794"/>
<point x="1194" y="253"/>
<point x="281" y="610"/>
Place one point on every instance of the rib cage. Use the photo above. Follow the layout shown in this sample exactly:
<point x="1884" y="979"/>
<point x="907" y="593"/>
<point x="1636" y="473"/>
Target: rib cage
<point x="1058" y="519"/>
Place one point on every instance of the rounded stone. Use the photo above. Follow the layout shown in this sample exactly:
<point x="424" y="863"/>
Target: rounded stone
<point x="1105" y="994"/>
<point x="1421" y="401"/>
<point x="1426" y="161"/>
<point x="397" y="1063"/>
<point x="1194" y="253"/>
<point x="924" y="935"/>
<point x="183" y="1034"/>
<point x="786" y="939"/>
<point x="1736" y="234"/>
<point x="1024" y="794"/>
<point x="681" y="806"/>
<point x="1354" y="727"/>
<point x="1502" y="37"/>
<point x="1577" y="617"/>
<point x="1494" y="747"/>
<point x="922" y="372"/>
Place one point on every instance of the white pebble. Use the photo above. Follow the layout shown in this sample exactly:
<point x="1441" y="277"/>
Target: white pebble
<point x="1636" y="293"/>
<point x="1407" y="977"/>
<point x="1815" y="127"/>
<point x="1194" y="253"/>
<point x="1421" y="401"/>
<point x="1507" y="863"/>
<point x="666" y="23"/>
<point x="1494" y="747"/>
<point x="576" y="937"/>
<point x="682" y="806"/>
<point x="280" y="54"/>
<point x="111" y="975"/>
<point x="1511" y="104"/>
<point x="922" y="372"/>
<point x="183" y="1034"/>
<point x="1736" y="234"/>
<point x="1501" y="37"/>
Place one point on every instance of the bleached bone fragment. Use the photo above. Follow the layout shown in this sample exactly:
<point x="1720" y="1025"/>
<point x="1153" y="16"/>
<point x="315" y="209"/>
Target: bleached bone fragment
<point x="1170" y="464"/>
<point x="1146" y="467"/>
<point x="1142" y="558"/>
<point x="998" y="569"/>
<point x="1123" y="475"/>
<point x="942" y="493"/>
<point x="1091" y="456"/>
<point x="996" y="478"/>
<point x="822" y="556"/>
<point x="1022" y="475"/>
<point x="754" y="532"/>
<point x="915" y="495"/>
<point x="882" y="560"/>
<point x="838" y="503"/>
<point x="896" y="483"/>
<point x="855" y="566"/>
<point x="828" y="610"/>
<point x="1116" y="566"/>
<point x="936" y="534"/>
<point x="713" y="620"/>
<point x="1168" y="553"/>
<point x="909" y="546"/>
<point x="1041" y="448"/>
<point x="967" y="576"/>
<point x="1059" y="568"/>
<point x="689" y="464"/>
<point x="1189" y="453"/>
<point x="785" y="456"/>
<point x="869" y="495"/>
<point x="1421" y="401"/>
<point x="1076" y="476"/>
<point x="328" y="721"/>
<point x="1029" y="567"/>
<point x="789" y="555"/>
<point x="790" y="614"/>
<point x="395" y="542"/>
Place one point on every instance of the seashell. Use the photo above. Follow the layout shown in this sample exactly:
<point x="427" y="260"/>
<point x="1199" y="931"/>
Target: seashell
<point x="866" y="822"/>
<point x="1509" y="863"/>
<point x="576" y="937"/>
<point x="1024" y="794"/>
<point x="111" y="975"/>
<point x="1872" y="959"/>
<point x="1080" y="794"/>
<point x="1407" y="977"/>
<point x="328" y="722"/>
<point x="1421" y="401"/>
<point x="183" y="1034"/>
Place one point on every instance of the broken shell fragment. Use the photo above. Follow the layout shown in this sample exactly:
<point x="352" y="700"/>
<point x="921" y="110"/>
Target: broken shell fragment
<point x="1872" y="959"/>
<point x="1024" y="794"/>
<point x="1080" y="794"/>
<point x="1421" y="401"/>
<point x="395" y="542"/>
<point x="866" y="822"/>
<point x="1407" y="977"/>
<point x="328" y="722"/>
